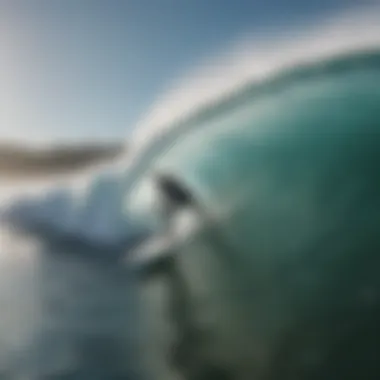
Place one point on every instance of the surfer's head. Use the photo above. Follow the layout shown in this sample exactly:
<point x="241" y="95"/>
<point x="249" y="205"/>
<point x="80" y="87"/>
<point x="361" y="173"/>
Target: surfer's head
<point x="277" y="196"/>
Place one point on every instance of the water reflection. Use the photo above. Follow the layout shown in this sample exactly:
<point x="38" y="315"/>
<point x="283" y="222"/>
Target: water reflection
<point x="64" y="316"/>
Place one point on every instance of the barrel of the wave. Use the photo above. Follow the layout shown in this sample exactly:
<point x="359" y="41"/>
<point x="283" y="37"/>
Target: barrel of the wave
<point x="278" y="277"/>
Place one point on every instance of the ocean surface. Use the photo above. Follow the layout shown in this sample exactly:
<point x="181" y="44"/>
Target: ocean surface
<point x="64" y="315"/>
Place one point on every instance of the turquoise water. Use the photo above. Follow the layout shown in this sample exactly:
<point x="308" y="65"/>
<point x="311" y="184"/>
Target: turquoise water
<point x="284" y="177"/>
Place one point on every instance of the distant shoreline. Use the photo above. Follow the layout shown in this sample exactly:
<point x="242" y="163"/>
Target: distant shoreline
<point x="18" y="162"/>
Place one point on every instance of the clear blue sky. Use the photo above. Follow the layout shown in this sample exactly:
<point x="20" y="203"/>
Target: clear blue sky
<point x="74" y="69"/>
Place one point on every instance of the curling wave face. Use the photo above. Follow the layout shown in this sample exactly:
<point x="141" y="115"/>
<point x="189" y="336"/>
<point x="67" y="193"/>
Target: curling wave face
<point x="284" y="178"/>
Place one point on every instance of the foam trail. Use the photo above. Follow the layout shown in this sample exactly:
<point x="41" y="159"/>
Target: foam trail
<point x="249" y="61"/>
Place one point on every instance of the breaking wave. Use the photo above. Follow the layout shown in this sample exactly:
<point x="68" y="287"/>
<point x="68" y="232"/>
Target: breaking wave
<point x="251" y="68"/>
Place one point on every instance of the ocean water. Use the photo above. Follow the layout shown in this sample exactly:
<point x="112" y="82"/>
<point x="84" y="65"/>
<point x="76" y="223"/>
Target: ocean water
<point x="64" y="316"/>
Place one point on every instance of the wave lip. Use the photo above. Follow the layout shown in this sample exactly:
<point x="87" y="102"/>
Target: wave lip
<point x="364" y="60"/>
<point x="251" y="62"/>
